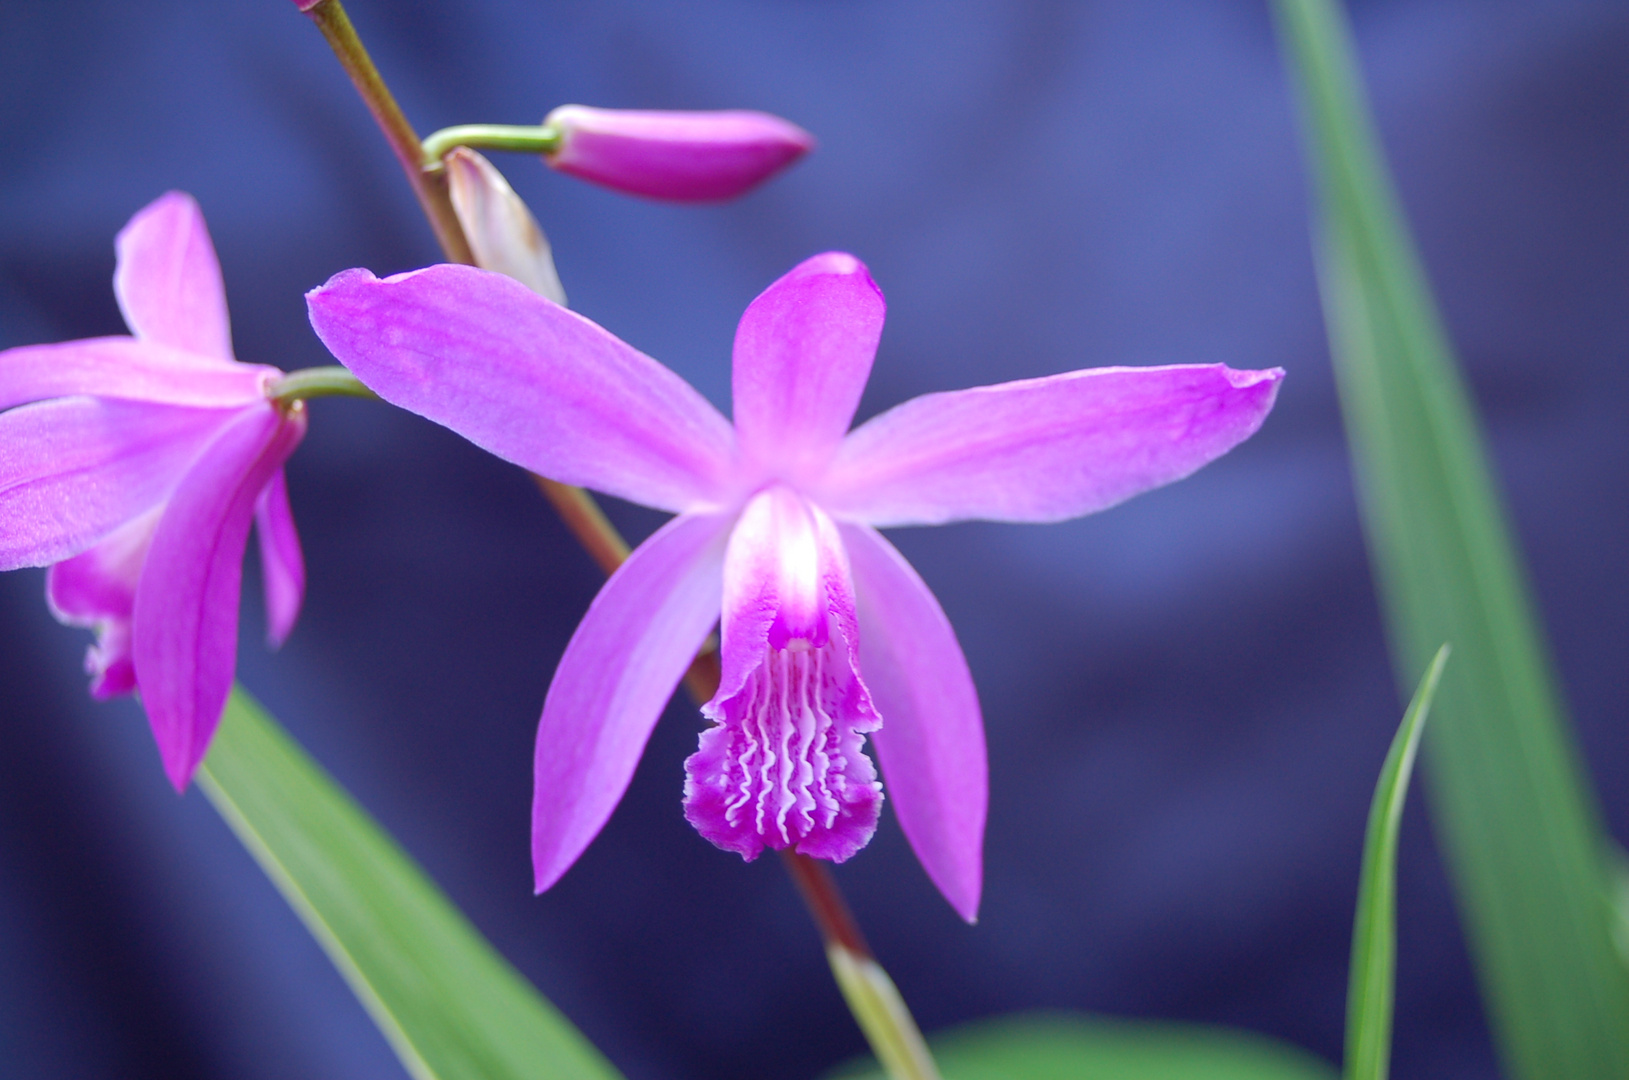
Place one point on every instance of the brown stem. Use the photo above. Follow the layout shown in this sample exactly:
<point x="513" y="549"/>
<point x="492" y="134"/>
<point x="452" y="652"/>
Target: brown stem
<point x="430" y="185"/>
<point x="606" y="546"/>
<point x="819" y="890"/>
<point x="587" y="522"/>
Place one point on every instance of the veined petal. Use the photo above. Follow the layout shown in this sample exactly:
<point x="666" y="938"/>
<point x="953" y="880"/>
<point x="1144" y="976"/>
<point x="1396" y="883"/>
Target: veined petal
<point x="931" y="742"/>
<point x="529" y="381"/>
<point x="97" y="589"/>
<point x="803" y="352"/>
<point x="127" y="367"/>
<point x="282" y="565"/>
<point x="1043" y="449"/>
<point x="74" y="469"/>
<point x="617" y="674"/>
<point x="168" y="281"/>
<point x="186" y="608"/>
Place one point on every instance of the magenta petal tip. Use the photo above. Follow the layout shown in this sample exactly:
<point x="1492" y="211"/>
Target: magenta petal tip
<point x="682" y="156"/>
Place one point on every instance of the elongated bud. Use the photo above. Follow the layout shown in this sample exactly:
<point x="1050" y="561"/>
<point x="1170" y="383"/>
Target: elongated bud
<point x="684" y="156"/>
<point x="503" y="235"/>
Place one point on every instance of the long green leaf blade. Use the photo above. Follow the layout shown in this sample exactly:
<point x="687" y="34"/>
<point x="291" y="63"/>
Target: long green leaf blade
<point x="1513" y="809"/>
<point x="450" y="1006"/>
<point x="1070" y="1046"/>
<point x="1374" y="932"/>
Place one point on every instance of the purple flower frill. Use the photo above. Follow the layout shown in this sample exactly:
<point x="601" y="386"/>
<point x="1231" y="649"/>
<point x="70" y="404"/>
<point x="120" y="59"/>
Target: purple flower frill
<point x="827" y="633"/>
<point x="133" y="467"/>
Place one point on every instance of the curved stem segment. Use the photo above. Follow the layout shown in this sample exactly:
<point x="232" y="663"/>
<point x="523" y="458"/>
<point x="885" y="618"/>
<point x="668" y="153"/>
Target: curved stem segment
<point x="866" y="987"/>
<point x="429" y="185"/>
<point x="313" y="382"/>
<point x="542" y="139"/>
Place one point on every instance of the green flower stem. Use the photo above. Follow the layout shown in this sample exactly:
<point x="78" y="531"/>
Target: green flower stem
<point x="429" y="185"/>
<point x="870" y="994"/>
<point x="866" y="987"/>
<point x="318" y="382"/>
<point x="543" y="139"/>
<point x="882" y="1014"/>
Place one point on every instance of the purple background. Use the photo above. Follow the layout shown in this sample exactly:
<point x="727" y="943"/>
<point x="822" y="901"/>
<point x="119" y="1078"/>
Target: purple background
<point x="1187" y="697"/>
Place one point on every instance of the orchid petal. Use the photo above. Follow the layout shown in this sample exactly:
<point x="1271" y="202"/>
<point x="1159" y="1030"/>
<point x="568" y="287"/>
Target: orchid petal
<point x="529" y="381"/>
<point x="616" y="675"/>
<point x="74" y="469"/>
<point x="282" y="565"/>
<point x="168" y="281"/>
<point x="97" y="589"/>
<point x="931" y="743"/>
<point x="126" y="367"/>
<point x="1043" y="449"/>
<point x="186" y="608"/>
<point x="803" y="352"/>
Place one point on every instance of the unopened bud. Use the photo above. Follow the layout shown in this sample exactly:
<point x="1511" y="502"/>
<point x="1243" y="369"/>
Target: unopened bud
<point x="503" y="235"/>
<point x="685" y="156"/>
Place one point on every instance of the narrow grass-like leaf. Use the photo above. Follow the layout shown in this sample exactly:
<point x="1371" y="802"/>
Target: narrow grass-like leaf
<point x="1071" y="1046"/>
<point x="1512" y="806"/>
<point x="451" y="1007"/>
<point x="1374" y="931"/>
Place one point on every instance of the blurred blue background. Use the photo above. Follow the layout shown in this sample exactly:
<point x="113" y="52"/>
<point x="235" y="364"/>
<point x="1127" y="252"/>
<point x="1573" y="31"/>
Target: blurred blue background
<point x="1187" y="697"/>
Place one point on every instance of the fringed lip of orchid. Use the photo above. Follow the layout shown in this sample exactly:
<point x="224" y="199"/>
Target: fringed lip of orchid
<point x="134" y="467"/>
<point x="827" y="633"/>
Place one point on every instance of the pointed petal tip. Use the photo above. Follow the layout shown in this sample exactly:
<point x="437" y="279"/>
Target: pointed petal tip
<point x="178" y="770"/>
<point x="829" y="262"/>
<point x="167" y="278"/>
<point x="356" y="275"/>
<point x="544" y="875"/>
<point x="173" y="201"/>
<point x="1243" y="379"/>
<point x="963" y="896"/>
<point x="832" y="264"/>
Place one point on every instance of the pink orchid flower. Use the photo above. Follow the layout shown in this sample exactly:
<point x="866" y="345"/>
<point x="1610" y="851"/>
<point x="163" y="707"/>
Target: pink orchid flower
<point x="132" y="466"/>
<point x="827" y="633"/>
<point x="682" y="156"/>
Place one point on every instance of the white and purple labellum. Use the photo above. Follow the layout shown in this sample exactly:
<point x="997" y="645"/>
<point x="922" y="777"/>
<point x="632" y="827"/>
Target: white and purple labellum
<point x="784" y="765"/>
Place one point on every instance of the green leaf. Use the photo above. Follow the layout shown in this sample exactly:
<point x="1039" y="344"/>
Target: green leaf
<point x="450" y="1006"/>
<point x="1512" y="807"/>
<point x="1374" y="932"/>
<point x="1070" y="1046"/>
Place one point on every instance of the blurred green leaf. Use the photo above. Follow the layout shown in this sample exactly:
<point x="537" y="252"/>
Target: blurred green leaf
<point x="1374" y="932"/>
<point x="1513" y="809"/>
<point x="1070" y="1046"/>
<point x="450" y="1006"/>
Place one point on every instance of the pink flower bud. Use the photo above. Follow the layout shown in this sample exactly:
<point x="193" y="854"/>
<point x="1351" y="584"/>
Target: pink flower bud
<point x="503" y="235"/>
<point x="685" y="156"/>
